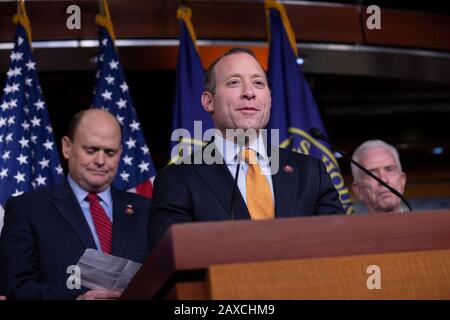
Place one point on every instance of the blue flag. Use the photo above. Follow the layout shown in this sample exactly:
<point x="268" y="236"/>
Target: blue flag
<point x="294" y="110"/>
<point x="136" y="170"/>
<point x="189" y="86"/>
<point x="29" y="158"/>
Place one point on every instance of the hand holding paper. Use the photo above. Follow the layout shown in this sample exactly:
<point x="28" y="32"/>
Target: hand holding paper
<point x="103" y="271"/>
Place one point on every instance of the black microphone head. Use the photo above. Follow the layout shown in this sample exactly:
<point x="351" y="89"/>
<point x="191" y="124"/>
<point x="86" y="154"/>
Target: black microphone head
<point x="316" y="133"/>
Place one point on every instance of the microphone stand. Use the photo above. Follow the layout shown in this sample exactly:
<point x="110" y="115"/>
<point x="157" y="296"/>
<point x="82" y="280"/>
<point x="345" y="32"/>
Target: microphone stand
<point x="233" y="194"/>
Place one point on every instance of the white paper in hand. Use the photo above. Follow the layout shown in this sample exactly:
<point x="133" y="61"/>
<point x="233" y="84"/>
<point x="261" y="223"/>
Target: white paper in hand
<point x="103" y="271"/>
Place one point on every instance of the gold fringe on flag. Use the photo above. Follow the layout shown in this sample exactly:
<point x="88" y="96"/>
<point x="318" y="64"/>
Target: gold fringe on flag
<point x="104" y="19"/>
<point x="274" y="4"/>
<point x="22" y="18"/>
<point x="185" y="13"/>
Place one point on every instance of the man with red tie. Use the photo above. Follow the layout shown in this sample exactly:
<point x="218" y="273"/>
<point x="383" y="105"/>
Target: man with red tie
<point x="47" y="231"/>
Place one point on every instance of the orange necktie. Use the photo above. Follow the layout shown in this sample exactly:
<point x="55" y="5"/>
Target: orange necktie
<point x="259" y="198"/>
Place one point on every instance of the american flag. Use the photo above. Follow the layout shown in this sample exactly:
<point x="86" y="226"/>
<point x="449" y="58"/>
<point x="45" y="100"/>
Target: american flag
<point x="29" y="157"/>
<point x="136" y="170"/>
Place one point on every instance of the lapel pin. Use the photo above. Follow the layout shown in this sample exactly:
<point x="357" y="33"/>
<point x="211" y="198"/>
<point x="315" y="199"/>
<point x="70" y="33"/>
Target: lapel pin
<point x="287" y="168"/>
<point x="129" y="210"/>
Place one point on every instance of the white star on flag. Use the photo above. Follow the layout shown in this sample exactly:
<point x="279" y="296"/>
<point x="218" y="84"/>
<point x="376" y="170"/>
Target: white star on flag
<point x="31" y="65"/>
<point x="134" y="125"/>
<point x="44" y="163"/>
<point x="15" y="87"/>
<point x="5" y="156"/>
<point x="4" y="106"/>
<point x="59" y="170"/>
<point x="19" y="177"/>
<point x="120" y="119"/>
<point x="124" y="176"/>
<point x="36" y="122"/>
<point x="107" y="95"/>
<point x="22" y="159"/>
<point x="128" y="160"/>
<point x="41" y="180"/>
<point x="7" y="89"/>
<point x="40" y="104"/>
<point x="110" y="79"/>
<point x="143" y="166"/>
<point x="24" y="142"/>
<point x="124" y="87"/>
<point x="25" y="125"/>
<point x="131" y="143"/>
<point x="12" y="103"/>
<point x="113" y="64"/>
<point x="121" y="103"/>
<point x="48" y="145"/>
<point x="9" y="137"/>
<point x="4" y="173"/>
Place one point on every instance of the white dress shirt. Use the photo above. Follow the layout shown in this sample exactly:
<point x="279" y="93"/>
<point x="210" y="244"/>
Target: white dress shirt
<point x="229" y="152"/>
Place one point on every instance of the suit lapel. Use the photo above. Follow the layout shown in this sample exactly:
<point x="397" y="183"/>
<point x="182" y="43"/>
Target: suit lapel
<point x="67" y="204"/>
<point x="285" y="186"/>
<point x="220" y="181"/>
<point x="123" y="224"/>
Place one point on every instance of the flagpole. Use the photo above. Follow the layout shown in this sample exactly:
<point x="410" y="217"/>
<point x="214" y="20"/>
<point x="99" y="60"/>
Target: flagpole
<point x="100" y="7"/>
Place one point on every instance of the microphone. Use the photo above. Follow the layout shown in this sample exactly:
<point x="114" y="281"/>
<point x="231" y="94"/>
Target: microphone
<point x="241" y="143"/>
<point x="316" y="133"/>
<point x="233" y="194"/>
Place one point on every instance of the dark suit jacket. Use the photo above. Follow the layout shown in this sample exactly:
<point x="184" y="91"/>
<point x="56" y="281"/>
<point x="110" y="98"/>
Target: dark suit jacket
<point x="45" y="232"/>
<point x="201" y="192"/>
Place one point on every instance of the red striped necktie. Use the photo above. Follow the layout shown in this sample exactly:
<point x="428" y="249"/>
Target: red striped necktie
<point x="103" y="225"/>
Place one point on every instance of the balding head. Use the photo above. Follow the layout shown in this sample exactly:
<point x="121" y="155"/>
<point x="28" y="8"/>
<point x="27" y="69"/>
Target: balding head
<point x="91" y="115"/>
<point x="93" y="148"/>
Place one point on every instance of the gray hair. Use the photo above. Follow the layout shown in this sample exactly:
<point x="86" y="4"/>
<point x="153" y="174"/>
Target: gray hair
<point x="372" y="144"/>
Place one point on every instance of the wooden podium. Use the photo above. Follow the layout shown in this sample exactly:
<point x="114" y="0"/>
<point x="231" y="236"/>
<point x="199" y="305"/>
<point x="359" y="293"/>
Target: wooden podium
<point x="382" y="256"/>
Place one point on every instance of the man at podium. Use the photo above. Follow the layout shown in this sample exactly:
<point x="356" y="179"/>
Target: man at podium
<point x="251" y="179"/>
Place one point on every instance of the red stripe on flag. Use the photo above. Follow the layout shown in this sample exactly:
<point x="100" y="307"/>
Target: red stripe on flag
<point x="145" y="189"/>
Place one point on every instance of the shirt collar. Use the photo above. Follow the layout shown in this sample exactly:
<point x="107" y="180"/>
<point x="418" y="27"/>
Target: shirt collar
<point x="81" y="194"/>
<point x="229" y="150"/>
